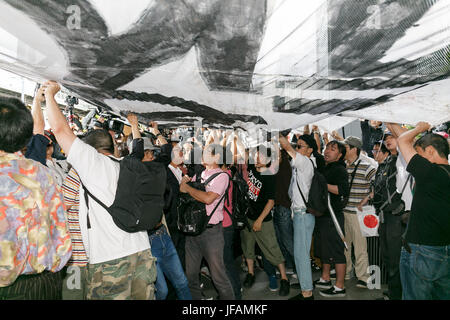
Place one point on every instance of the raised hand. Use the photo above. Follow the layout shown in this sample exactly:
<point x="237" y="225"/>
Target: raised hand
<point x="51" y="88"/>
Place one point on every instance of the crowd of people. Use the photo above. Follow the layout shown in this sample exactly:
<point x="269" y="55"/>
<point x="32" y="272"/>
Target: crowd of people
<point x="59" y="240"/>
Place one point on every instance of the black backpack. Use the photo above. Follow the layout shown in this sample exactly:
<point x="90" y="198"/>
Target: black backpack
<point x="192" y="216"/>
<point x="317" y="203"/>
<point x="139" y="201"/>
<point x="240" y="203"/>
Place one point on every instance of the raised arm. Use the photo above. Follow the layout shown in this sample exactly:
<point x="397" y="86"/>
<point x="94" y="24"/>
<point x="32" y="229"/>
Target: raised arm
<point x="132" y="119"/>
<point x="336" y="136"/>
<point x="155" y="131"/>
<point x="406" y="140"/>
<point x="287" y="146"/>
<point x="325" y="140"/>
<point x="36" y="112"/>
<point x="306" y="129"/>
<point x="395" y="129"/>
<point x="64" y="135"/>
<point x="316" y="133"/>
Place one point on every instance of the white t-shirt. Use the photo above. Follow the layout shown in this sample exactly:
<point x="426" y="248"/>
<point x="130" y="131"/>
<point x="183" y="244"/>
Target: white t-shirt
<point x="176" y="172"/>
<point x="373" y="162"/>
<point x="401" y="177"/>
<point x="305" y="172"/>
<point x="104" y="241"/>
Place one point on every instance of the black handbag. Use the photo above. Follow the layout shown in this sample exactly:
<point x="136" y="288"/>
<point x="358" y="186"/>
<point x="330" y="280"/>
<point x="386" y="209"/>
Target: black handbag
<point x="192" y="216"/>
<point x="396" y="208"/>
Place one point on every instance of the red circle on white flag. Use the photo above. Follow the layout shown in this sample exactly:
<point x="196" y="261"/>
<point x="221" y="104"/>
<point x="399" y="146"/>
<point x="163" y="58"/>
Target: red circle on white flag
<point x="370" y="221"/>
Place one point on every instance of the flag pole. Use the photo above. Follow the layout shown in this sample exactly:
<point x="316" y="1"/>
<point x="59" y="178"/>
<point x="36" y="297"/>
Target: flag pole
<point x="336" y="223"/>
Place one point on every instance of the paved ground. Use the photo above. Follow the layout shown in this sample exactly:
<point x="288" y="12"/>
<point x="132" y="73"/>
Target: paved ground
<point x="260" y="290"/>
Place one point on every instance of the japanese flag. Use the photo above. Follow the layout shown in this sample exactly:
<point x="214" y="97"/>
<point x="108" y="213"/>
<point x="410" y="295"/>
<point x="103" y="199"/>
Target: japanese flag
<point x="368" y="221"/>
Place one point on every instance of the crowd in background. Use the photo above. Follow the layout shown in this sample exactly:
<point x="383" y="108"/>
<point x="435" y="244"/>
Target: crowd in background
<point x="58" y="240"/>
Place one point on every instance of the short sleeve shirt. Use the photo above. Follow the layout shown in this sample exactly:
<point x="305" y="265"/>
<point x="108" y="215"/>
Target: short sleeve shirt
<point x="218" y="185"/>
<point x="33" y="230"/>
<point x="261" y="189"/>
<point x="104" y="241"/>
<point x="429" y="223"/>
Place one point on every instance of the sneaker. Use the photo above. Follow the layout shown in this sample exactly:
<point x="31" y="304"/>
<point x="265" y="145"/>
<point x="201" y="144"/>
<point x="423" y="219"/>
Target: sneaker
<point x="332" y="292"/>
<point x="273" y="284"/>
<point x="322" y="284"/>
<point x="361" y="284"/>
<point x="249" y="280"/>
<point x="301" y="297"/>
<point x="284" y="287"/>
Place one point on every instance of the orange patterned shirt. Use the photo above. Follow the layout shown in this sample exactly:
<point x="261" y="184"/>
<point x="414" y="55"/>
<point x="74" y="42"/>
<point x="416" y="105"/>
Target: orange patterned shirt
<point x="33" y="233"/>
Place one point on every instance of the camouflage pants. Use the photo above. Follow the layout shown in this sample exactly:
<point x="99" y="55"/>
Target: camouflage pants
<point x="128" y="278"/>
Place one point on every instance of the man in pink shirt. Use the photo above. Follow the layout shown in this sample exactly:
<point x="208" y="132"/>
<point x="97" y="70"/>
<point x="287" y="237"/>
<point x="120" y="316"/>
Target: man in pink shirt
<point x="210" y="243"/>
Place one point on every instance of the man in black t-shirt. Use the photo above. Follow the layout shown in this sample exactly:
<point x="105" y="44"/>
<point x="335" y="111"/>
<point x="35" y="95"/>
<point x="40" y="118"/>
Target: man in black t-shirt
<point x="425" y="257"/>
<point x="261" y="183"/>
<point x="328" y="245"/>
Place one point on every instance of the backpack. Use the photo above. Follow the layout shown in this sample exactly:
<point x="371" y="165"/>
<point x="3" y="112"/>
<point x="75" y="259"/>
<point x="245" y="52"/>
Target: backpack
<point x="139" y="201"/>
<point x="192" y="216"/>
<point x="317" y="203"/>
<point x="240" y="203"/>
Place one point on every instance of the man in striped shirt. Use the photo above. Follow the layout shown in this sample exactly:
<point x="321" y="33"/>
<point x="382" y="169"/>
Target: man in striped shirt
<point x="360" y="174"/>
<point x="74" y="285"/>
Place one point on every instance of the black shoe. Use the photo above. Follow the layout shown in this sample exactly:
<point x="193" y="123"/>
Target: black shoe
<point x="361" y="284"/>
<point x="284" y="287"/>
<point x="301" y="297"/>
<point x="330" y="293"/>
<point x="249" y="280"/>
<point x="324" y="285"/>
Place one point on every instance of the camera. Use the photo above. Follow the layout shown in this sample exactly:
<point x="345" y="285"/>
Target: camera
<point x="110" y="123"/>
<point x="71" y="101"/>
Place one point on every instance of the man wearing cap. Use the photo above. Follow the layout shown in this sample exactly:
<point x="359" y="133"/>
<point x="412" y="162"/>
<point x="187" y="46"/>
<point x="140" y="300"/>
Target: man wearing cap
<point x="168" y="263"/>
<point x="361" y="174"/>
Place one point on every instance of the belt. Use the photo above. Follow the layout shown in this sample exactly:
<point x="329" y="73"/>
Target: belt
<point x="213" y="225"/>
<point x="157" y="230"/>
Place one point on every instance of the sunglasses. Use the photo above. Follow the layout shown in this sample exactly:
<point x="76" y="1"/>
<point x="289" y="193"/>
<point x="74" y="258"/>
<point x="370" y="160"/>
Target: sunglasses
<point x="300" y="146"/>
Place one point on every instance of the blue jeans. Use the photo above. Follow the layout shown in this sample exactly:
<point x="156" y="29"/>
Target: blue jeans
<point x="425" y="272"/>
<point x="282" y="222"/>
<point x="303" y="230"/>
<point x="168" y="264"/>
